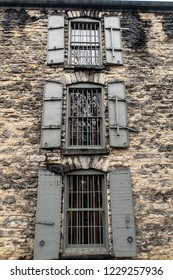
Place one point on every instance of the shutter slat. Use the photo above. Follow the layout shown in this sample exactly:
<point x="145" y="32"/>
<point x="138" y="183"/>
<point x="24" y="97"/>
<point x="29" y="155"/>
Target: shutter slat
<point x="118" y="137"/>
<point x="52" y="116"/>
<point x="113" y="40"/>
<point x="48" y="216"/>
<point x="121" y="208"/>
<point x="55" y="53"/>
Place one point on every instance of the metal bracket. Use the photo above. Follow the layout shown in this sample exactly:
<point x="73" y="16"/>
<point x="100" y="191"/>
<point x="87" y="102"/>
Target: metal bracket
<point x="113" y="53"/>
<point x="117" y="125"/>
<point x="111" y="34"/>
<point x="117" y="116"/>
<point x="125" y="127"/>
<point x="127" y="221"/>
<point x="58" y="27"/>
<point x="122" y="99"/>
<point x="51" y="127"/>
<point x="53" y="99"/>
<point x="125" y="28"/>
<point x="117" y="28"/>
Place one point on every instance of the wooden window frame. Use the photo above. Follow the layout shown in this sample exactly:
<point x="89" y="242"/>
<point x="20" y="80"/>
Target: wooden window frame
<point x="86" y="249"/>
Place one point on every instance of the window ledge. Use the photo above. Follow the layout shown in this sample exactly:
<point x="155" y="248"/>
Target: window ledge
<point x="85" y="67"/>
<point x="86" y="253"/>
<point x="87" y="257"/>
<point x="86" y="151"/>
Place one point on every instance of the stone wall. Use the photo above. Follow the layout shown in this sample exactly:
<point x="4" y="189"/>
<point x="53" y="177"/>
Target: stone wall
<point x="147" y="73"/>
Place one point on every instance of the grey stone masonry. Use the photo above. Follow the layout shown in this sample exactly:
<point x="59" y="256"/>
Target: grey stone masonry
<point x="147" y="73"/>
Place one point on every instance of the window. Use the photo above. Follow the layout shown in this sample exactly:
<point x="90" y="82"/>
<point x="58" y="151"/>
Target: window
<point x="85" y="42"/>
<point x="85" y="116"/>
<point x="82" y="225"/>
<point x="85" y="122"/>
<point x="85" y="208"/>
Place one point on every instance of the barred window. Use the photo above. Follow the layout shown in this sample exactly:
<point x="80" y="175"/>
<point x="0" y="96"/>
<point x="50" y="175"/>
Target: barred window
<point x="85" y="223"/>
<point x="85" y="43"/>
<point x="85" y="116"/>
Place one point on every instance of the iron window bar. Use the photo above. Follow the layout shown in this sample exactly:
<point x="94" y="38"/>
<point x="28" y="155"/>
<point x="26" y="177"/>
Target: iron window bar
<point x="85" y="118"/>
<point x="85" y="212"/>
<point x="85" y="45"/>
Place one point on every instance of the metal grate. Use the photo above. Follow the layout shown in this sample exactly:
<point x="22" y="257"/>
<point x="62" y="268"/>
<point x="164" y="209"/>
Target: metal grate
<point x="85" y="43"/>
<point x="85" y="213"/>
<point x="85" y="117"/>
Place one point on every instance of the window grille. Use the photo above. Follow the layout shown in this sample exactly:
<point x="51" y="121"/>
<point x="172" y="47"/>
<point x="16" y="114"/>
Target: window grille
<point x="85" y="43"/>
<point x="85" y="220"/>
<point x="85" y="119"/>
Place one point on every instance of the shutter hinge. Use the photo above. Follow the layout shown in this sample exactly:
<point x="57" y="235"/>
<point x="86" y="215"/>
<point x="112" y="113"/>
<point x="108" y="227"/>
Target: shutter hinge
<point x="55" y="49"/>
<point x="45" y="223"/>
<point x="51" y="127"/>
<point x="58" y="27"/>
<point x="118" y="50"/>
<point x="53" y="99"/>
<point x="117" y="28"/>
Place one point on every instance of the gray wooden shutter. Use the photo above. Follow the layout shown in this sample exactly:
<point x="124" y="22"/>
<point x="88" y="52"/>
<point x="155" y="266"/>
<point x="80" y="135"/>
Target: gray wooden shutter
<point x="55" y="53"/>
<point x="113" y="40"/>
<point x="48" y="216"/>
<point x="52" y="116"/>
<point x="123" y="225"/>
<point x="117" y="106"/>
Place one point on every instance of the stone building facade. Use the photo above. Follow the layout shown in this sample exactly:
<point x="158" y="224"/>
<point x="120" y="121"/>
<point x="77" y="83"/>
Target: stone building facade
<point x="146" y="72"/>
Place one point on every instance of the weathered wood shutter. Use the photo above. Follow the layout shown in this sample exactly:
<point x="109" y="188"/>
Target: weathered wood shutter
<point x="55" y="54"/>
<point x="123" y="225"/>
<point x="48" y="216"/>
<point x="52" y="116"/>
<point x="117" y="106"/>
<point x="113" y="40"/>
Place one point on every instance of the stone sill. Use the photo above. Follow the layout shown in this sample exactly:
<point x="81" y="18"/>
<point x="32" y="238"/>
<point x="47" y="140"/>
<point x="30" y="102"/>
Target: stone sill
<point x="84" y="67"/>
<point x="87" y="257"/>
<point x="87" y="151"/>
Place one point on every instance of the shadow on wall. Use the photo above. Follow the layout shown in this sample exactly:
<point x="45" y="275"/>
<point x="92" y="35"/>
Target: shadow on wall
<point x="167" y="23"/>
<point x="137" y="35"/>
<point x="13" y="17"/>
